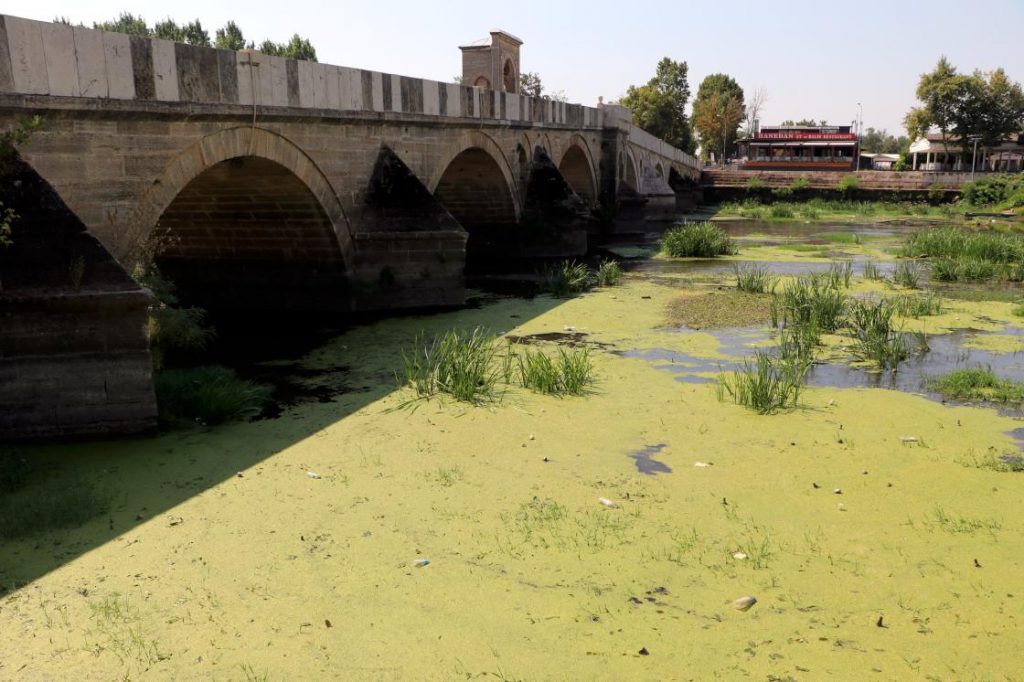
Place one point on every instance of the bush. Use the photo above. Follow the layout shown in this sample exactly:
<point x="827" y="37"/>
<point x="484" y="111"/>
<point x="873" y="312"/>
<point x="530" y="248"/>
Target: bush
<point x="1018" y="310"/>
<point x="609" y="274"/>
<point x="697" y="240"/>
<point x="754" y="279"/>
<point x="993" y="189"/>
<point x="800" y="184"/>
<point x="566" y="278"/>
<point x="848" y="185"/>
<point x="208" y="395"/>
<point x="781" y="211"/>
<point x="755" y="184"/>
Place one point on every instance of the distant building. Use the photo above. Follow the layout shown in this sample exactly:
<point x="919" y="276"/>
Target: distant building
<point x="800" y="148"/>
<point x="930" y="153"/>
<point x="492" y="63"/>
<point x="873" y="161"/>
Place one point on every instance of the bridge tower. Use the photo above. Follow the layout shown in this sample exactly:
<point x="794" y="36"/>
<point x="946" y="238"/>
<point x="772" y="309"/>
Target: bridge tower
<point x="492" y="63"/>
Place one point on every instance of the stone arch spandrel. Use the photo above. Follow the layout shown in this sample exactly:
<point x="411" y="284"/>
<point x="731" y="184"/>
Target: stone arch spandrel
<point x="580" y="142"/>
<point x="233" y="143"/>
<point x="470" y="139"/>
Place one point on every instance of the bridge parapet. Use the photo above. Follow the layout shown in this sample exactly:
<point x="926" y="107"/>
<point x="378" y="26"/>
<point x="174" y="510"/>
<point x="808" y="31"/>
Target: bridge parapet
<point x="40" y="58"/>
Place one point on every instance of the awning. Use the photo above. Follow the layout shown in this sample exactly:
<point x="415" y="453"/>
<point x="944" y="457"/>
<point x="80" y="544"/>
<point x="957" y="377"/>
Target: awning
<point x="785" y="143"/>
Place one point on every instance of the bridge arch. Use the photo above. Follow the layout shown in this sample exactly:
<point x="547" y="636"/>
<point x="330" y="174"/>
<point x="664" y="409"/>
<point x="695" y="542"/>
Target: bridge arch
<point x="470" y="140"/>
<point x="234" y="143"/>
<point x="628" y="175"/>
<point x="577" y="167"/>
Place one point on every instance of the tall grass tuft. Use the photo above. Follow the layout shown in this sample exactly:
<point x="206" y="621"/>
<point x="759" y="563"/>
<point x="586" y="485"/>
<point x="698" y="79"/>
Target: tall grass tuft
<point x="568" y="374"/>
<point x="956" y="243"/>
<point x="917" y="306"/>
<point x="566" y="278"/>
<point x="456" y="363"/>
<point x="907" y="274"/>
<point x="876" y="339"/>
<point x="209" y="395"/>
<point x="697" y="240"/>
<point x="840" y="273"/>
<point x="754" y="279"/>
<point x="609" y="274"/>
<point x="811" y="301"/>
<point x="767" y="384"/>
<point x="871" y="270"/>
<point x="977" y="384"/>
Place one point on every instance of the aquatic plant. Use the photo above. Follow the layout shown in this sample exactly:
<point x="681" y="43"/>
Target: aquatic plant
<point x="754" y="278"/>
<point x="766" y="385"/>
<point x="875" y="339"/>
<point x="812" y="301"/>
<point x="1018" y="310"/>
<point x="780" y="211"/>
<point x="697" y="240"/>
<point x="840" y="273"/>
<point x="609" y="273"/>
<point x="871" y="270"/>
<point x="208" y="395"/>
<point x="566" y="278"/>
<point x="954" y="242"/>
<point x="977" y="383"/>
<point x="907" y="274"/>
<point x="568" y="374"/>
<point x="917" y="306"/>
<point x="456" y="363"/>
<point x="847" y="185"/>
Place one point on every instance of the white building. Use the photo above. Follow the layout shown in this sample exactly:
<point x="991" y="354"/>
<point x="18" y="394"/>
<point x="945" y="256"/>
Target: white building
<point x="929" y="153"/>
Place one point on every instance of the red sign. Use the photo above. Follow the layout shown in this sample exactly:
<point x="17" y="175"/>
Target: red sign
<point x="804" y="135"/>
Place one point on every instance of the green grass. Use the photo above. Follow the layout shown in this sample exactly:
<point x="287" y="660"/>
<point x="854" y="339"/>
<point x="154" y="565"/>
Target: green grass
<point x="754" y="279"/>
<point x="609" y="274"/>
<point x="766" y="385"/>
<point x="697" y="240"/>
<point x="840" y="274"/>
<point x="977" y="384"/>
<point x="925" y="305"/>
<point x="566" y="278"/>
<point x="1018" y="310"/>
<point x="207" y="395"/>
<point x="958" y="243"/>
<point x="871" y="270"/>
<point x="570" y="373"/>
<point x="456" y="363"/>
<point x="907" y="274"/>
<point x="876" y="340"/>
<point x="811" y="301"/>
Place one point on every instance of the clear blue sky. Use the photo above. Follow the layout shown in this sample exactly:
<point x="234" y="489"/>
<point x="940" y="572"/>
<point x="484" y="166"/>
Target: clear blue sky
<point x="815" y="59"/>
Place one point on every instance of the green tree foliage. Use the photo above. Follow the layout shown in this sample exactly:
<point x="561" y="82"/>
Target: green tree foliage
<point x="168" y="29"/>
<point x="126" y="23"/>
<point x="530" y="84"/>
<point x="881" y="142"/>
<point x="718" y="111"/>
<point x="230" y="37"/>
<point x="195" y="34"/>
<point x="988" y="105"/>
<point x="296" y="48"/>
<point x="659" y="107"/>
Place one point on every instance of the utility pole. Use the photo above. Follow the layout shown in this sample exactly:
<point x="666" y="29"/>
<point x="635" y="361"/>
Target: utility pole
<point x="974" y="157"/>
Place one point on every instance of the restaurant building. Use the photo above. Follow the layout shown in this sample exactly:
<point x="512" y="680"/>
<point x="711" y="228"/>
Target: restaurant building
<point x="830" y="148"/>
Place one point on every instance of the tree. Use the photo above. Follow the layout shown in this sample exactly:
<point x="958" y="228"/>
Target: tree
<point x="718" y="111"/>
<point x="659" y="107"/>
<point x="168" y="29"/>
<point x="881" y="142"/>
<point x="296" y="48"/>
<point x="230" y="37"/>
<point x="530" y="84"/>
<point x="989" y="106"/>
<point x="754" y="107"/>
<point x="126" y="23"/>
<point x="195" y="35"/>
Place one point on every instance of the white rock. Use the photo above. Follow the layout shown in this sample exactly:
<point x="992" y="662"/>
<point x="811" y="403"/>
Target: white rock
<point x="739" y="555"/>
<point x="744" y="603"/>
<point x="606" y="502"/>
<point x="312" y="474"/>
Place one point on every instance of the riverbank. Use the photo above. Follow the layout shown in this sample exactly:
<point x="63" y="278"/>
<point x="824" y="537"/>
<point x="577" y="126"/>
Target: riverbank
<point x="874" y="527"/>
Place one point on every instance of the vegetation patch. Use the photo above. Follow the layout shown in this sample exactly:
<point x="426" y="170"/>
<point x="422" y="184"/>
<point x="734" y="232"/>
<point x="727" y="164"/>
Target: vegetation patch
<point x="754" y="278"/>
<point x="977" y="384"/>
<point x="609" y="274"/>
<point x="570" y="373"/>
<point x="719" y="309"/>
<point x="207" y="395"/>
<point x="697" y="240"/>
<point x="566" y="278"/>
<point x="924" y="305"/>
<point x="766" y="384"/>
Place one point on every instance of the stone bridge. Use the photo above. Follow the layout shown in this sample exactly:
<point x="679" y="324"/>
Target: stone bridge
<point x="257" y="181"/>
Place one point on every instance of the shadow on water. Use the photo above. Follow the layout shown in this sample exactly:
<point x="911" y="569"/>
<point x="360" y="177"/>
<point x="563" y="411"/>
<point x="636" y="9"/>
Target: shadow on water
<point x="645" y="462"/>
<point x="322" y="372"/>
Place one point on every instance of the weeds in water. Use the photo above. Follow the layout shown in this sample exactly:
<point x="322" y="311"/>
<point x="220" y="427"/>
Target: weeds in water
<point x="871" y="270"/>
<point x="965" y="270"/>
<point x="766" y="385"/>
<point x="907" y="274"/>
<point x="609" y="274"/>
<point x="924" y="305"/>
<point x="697" y="240"/>
<point x="208" y="395"/>
<point x="963" y="524"/>
<point x="811" y="301"/>
<point x="456" y="363"/>
<point x="957" y="243"/>
<point x="1018" y="311"/>
<point x="754" y="279"/>
<point x="977" y="383"/>
<point x="566" y="278"/>
<point x="840" y="273"/>
<point x="568" y="374"/>
<point x="875" y="339"/>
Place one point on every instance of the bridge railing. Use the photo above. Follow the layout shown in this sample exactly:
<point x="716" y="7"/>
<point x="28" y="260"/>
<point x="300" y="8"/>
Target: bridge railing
<point x="43" y="58"/>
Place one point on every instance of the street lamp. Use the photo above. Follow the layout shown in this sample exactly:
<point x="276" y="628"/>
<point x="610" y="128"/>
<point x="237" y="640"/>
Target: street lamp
<point x="974" y="157"/>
